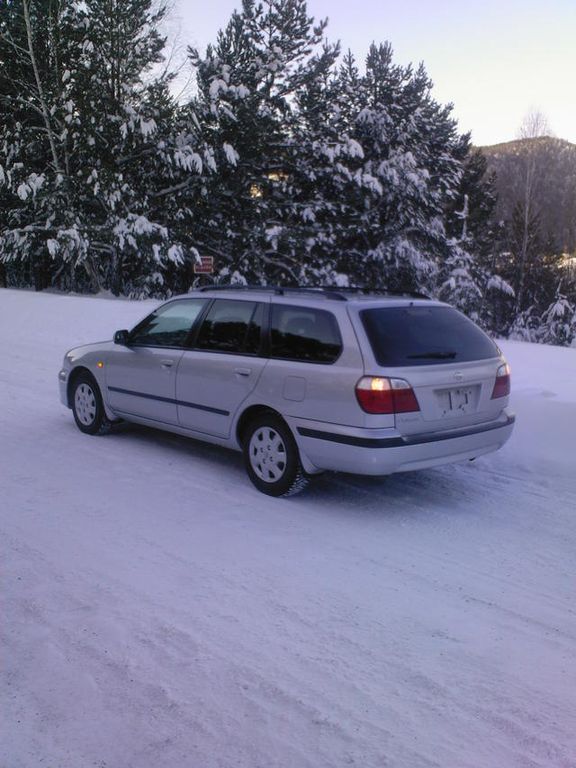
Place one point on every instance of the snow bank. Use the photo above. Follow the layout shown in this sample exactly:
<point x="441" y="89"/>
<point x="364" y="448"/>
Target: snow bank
<point x="544" y="397"/>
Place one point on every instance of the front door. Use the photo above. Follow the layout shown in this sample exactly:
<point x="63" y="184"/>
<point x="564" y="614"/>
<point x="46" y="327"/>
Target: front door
<point x="141" y="377"/>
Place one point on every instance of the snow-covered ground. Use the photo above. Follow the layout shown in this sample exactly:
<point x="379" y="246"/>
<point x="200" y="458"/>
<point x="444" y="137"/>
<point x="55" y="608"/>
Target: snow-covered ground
<point x="158" y="612"/>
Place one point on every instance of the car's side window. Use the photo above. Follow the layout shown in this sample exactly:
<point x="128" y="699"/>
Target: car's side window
<point x="169" y="325"/>
<point x="301" y="333"/>
<point x="232" y="326"/>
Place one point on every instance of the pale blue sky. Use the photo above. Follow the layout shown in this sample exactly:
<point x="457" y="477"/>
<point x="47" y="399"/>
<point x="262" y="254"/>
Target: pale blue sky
<point x="494" y="60"/>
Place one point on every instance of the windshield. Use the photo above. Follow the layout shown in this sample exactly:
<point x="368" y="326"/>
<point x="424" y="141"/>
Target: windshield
<point x="424" y="335"/>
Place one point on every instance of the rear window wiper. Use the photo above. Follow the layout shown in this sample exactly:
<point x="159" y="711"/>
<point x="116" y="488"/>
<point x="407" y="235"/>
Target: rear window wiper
<point x="433" y="356"/>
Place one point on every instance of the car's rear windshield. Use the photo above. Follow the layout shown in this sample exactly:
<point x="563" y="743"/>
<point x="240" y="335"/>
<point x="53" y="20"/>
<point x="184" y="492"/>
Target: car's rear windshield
<point x="424" y="335"/>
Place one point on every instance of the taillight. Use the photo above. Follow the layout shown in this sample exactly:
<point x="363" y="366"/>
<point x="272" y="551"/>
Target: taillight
<point x="502" y="383"/>
<point x="377" y="394"/>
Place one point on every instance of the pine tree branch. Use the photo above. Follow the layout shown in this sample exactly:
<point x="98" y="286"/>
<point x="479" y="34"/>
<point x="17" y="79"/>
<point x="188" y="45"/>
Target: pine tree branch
<point x="176" y="188"/>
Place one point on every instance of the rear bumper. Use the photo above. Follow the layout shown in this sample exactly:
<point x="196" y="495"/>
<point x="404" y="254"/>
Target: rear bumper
<point x="384" y="451"/>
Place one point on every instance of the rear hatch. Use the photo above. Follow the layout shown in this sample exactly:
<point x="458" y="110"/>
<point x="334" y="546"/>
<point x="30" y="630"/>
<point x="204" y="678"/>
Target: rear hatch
<point x="448" y="361"/>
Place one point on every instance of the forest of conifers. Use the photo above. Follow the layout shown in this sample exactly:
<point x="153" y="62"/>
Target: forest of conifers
<point x="288" y="163"/>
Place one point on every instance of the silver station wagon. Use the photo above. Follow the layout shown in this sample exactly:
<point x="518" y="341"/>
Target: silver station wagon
<point x="302" y="381"/>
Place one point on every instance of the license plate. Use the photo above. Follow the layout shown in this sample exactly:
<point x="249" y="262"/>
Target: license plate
<point x="455" y="402"/>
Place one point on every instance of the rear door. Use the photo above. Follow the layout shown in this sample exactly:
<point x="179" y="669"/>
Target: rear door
<point x="449" y="362"/>
<point x="314" y="365"/>
<point x="216" y="376"/>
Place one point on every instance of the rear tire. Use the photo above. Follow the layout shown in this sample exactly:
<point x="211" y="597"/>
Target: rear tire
<point x="87" y="406"/>
<point x="271" y="457"/>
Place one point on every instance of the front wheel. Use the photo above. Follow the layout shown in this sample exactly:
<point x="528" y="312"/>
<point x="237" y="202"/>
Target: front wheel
<point x="87" y="406"/>
<point x="271" y="457"/>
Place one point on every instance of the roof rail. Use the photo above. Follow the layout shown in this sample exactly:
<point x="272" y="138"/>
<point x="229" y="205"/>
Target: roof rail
<point x="334" y="292"/>
<point x="279" y="290"/>
<point x="366" y="290"/>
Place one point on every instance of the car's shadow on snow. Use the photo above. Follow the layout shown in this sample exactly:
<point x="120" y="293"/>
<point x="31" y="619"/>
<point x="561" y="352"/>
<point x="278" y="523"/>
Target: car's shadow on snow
<point x="178" y="446"/>
<point x="448" y="489"/>
<point x="444" y="488"/>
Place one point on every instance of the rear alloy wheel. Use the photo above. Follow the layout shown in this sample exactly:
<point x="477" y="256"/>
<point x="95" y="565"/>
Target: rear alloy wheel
<point x="272" y="459"/>
<point x="88" y="408"/>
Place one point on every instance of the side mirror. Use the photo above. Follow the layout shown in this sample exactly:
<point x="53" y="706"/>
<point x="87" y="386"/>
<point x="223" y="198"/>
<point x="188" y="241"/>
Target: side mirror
<point x="121" y="337"/>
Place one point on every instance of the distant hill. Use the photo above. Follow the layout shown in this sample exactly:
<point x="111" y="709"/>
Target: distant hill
<point x="521" y="146"/>
<point x="553" y="162"/>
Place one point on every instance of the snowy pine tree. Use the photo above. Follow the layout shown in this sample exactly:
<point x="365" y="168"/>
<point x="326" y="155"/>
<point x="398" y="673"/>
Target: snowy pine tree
<point x="468" y="273"/>
<point x="89" y="146"/>
<point x="409" y="171"/>
<point x="558" y="322"/>
<point x="31" y="162"/>
<point x="265" y="99"/>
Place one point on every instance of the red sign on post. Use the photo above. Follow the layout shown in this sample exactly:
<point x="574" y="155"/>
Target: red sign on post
<point x="206" y="267"/>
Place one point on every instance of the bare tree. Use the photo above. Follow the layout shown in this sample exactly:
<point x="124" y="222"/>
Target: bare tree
<point x="41" y="97"/>
<point x="534" y="126"/>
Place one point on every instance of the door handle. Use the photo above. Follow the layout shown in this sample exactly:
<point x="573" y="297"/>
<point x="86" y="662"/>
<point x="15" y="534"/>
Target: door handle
<point x="243" y="371"/>
<point x="167" y="363"/>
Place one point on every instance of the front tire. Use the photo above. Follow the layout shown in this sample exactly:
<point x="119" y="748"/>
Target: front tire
<point x="271" y="457"/>
<point x="87" y="406"/>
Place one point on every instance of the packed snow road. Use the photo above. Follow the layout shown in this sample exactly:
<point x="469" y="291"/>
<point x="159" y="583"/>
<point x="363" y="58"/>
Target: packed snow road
<point x="160" y="613"/>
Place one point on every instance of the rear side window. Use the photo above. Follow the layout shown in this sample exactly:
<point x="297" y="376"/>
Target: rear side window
<point x="420" y="335"/>
<point x="232" y="326"/>
<point x="300" y="333"/>
<point x="169" y="325"/>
